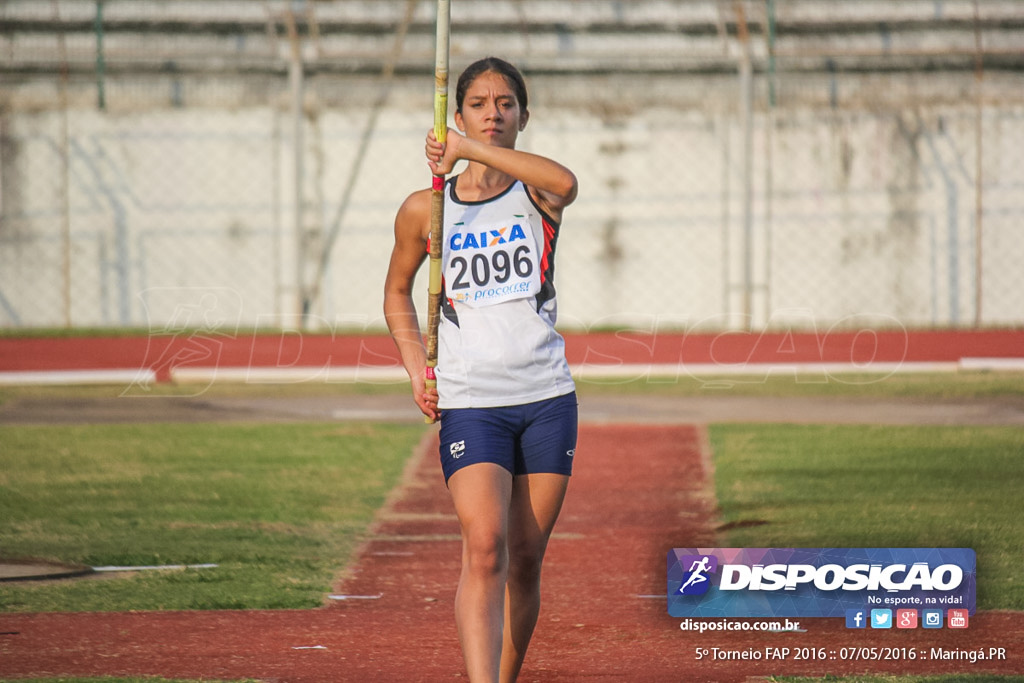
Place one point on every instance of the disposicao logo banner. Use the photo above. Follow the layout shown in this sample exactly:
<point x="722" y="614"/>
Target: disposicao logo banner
<point x="817" y="582"/>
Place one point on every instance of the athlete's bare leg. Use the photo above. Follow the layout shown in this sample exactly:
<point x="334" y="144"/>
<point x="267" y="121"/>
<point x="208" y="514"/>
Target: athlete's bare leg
<point x="536" y="502"/>
<point x="481" y="494"/>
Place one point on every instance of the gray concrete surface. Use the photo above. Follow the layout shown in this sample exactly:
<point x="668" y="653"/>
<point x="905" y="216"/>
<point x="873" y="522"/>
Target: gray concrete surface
<point x="593" y="408"/>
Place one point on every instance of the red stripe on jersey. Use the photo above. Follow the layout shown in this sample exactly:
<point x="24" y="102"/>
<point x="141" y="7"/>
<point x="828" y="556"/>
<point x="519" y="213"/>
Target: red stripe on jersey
<point x="549" y="238"/>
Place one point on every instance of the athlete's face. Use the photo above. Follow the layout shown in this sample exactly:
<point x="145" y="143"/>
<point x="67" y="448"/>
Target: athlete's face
<point x="490" y="111"/>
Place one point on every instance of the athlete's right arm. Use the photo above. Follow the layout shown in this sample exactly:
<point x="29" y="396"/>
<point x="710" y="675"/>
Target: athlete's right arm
<point x="411" y="228"/>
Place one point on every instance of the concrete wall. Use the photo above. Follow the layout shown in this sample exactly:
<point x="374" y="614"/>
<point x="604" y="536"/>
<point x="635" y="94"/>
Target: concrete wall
<point x="860" y="173"/>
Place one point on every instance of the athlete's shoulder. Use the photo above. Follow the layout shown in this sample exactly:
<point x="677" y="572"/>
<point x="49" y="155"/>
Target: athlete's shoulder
<point x="414" y="214"/>
<point x="416" y="203"/>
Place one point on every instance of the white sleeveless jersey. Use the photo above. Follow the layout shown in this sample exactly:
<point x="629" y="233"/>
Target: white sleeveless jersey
<point x="497" y="344"/>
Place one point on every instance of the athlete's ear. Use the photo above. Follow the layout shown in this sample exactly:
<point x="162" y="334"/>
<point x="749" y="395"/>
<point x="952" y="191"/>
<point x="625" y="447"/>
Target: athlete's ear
<point x="459" y="122"/>
<point x="523" y="118"/>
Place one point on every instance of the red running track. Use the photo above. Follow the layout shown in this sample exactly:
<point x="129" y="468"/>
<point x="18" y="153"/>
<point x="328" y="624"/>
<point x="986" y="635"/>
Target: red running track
<point x="160" y="353"/>
<point x="636" y="493"/>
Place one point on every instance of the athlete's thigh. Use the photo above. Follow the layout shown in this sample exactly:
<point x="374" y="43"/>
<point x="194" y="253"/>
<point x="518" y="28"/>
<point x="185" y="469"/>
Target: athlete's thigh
<point x="470" y="436"/>
<point x="548" y="441"/>
<point x="535" y="505"/>
<point x="480" y="494"/>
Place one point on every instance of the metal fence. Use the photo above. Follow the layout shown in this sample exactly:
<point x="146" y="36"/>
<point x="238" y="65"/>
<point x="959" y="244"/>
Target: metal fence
<point x="743" y="164"/>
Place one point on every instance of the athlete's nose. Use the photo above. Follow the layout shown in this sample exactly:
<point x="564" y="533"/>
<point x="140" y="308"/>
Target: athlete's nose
<point x="493" y="112"/>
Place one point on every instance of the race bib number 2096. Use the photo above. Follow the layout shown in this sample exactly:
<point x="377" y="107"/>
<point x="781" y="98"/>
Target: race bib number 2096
<point x="491" y="266"/>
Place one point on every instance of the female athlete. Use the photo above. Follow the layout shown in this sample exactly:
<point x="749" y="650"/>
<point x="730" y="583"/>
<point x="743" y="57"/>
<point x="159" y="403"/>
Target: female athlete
<point x="505" y="398"/>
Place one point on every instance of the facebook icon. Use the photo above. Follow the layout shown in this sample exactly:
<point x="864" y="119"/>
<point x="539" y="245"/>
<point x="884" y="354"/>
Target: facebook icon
<point x="856" y="618"/>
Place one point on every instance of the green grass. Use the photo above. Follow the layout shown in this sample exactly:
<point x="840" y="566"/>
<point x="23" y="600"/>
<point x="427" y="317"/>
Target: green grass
<point x="855" y="486"/>
<point x="279" y="508"/>
<point x="201" y="392"/>
<point x="966" y="385"/>
<point x="963" y="385"/>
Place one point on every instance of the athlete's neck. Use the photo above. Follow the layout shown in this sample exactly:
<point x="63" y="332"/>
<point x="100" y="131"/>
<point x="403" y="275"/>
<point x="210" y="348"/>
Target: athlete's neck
<point x="479" y="183"/>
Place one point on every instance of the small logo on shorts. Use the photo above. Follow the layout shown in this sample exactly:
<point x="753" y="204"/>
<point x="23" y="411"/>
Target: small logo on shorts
<point x="571" y="452"/>
<point x="457" y="449"/>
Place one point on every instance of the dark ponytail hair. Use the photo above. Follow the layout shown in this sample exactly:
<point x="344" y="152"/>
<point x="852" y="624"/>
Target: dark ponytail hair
<point x="498" y="66"/>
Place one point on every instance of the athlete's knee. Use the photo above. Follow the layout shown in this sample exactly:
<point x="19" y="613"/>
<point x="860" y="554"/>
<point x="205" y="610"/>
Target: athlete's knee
<point x="485" y="554"/>
<point x="525" y="560"/>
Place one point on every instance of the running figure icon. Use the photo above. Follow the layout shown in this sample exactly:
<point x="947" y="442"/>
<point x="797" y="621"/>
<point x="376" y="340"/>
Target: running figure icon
<point x="697" y="573"/>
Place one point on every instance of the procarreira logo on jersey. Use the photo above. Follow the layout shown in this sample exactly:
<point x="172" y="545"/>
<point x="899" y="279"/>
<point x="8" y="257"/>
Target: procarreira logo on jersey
<point x="757" y="582"/>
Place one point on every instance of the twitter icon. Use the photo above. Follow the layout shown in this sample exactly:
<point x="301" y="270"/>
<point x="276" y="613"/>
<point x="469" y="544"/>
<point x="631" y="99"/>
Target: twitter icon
<point x="881" y="618"/>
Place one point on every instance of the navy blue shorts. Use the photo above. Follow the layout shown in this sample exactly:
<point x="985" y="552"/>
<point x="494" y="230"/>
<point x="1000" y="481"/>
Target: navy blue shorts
<point x="526" y="439"/>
